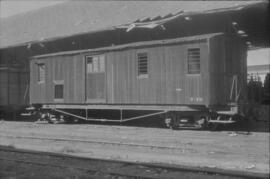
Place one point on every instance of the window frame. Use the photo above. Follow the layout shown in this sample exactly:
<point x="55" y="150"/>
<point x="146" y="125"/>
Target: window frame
<point x="189" y="58"/>
<point x="39" y="80"/>
<point x="98" y="63"/>
<point x="58" y="82"/>
<point x="139" y="74"/>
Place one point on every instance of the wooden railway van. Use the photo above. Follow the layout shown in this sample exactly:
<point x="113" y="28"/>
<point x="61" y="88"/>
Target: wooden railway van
<point x="190" y="80"/>
<point x="13" y="91"/>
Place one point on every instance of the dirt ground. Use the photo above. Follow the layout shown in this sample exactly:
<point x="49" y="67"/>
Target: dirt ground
<point x="239" y="151"/>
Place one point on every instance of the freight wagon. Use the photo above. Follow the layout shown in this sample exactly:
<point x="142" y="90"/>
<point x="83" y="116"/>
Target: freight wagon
<point x="193" y="82"/>
<point x="13" y="91"/>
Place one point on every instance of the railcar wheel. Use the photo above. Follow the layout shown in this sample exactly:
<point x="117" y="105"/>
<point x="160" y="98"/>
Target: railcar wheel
<point x="213" y="126"/>
<point x="69" y="119"/>
<point x="170" y="121"/>
<point x="173" y="124"/>
<point x="204" y="122"/>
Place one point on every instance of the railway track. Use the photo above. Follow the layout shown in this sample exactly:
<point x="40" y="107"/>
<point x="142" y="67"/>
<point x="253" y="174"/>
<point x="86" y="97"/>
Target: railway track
<point x="120" y="144"/>
<point x="99" y="168"/>
<point x="94" y="142"/>
<point x="34" y="158"/>
<point x="105" y="143"/>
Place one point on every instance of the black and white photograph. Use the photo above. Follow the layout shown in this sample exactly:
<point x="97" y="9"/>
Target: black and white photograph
<point x="134" y="89"/>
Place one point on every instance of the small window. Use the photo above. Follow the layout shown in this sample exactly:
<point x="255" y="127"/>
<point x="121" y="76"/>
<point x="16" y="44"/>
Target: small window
<point x="142" y="64"/>
<point x="89" y="64"/>
<point x="59" y="91"/>
<point x="41" y="72"/>
<point x="102" y="63"/>
<point x="95" y="64"/>
<point x="194" y="66"/>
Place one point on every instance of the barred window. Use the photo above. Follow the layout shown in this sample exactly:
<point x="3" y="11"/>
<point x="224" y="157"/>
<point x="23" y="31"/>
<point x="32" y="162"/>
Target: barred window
<point x="41" y="72"/>
<point x="142" y="64"/>
<point x="59" y="91"/>
<point x="194" y="61"/>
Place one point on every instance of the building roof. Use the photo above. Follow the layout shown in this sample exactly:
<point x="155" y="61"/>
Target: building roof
<point x="79" y="17"/>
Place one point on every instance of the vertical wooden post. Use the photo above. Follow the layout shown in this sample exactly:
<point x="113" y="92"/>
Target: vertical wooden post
<point x="112" y="85"/>
<point x="8" y="81"/>
<point x="236" y="87"/>
<point x="86" y="113"/>
<point x="121" y="115"/>
<point x="85" y="79"/>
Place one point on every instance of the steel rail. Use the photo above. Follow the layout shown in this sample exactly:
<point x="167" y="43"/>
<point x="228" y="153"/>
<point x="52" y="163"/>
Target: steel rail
<point x="95" y="141"/>
<point x="205" y="170"/>
<point x="70" y="167"/>
<point x="152" y="147"/>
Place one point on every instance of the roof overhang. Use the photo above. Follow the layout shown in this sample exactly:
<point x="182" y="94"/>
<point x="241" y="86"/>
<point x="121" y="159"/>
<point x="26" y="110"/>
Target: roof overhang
<point x="250" y="22"/>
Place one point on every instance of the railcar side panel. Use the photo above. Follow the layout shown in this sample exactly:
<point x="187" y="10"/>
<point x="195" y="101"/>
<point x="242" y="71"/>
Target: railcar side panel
<point x="167" y="81"/>
<point x="236" y="66"/>
<point x="37" y="89"/>
<point x="227" y="69"/>
<point x="217" y="71"/>
<point x="3" y="88"/>
<point x="67" y="71"/>
<point x="13" y="88"/>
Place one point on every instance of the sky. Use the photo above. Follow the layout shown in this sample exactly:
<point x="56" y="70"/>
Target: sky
<point x="258" y="57"/>
<point x="13" y="7"/>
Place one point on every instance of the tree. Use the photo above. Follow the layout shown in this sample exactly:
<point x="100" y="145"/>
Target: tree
<point x="266" y="89"/>
<point x="255" y="89"/>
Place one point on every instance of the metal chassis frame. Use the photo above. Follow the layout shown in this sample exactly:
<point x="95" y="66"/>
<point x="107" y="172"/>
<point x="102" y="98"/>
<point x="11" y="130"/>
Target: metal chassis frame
<point x="158" y="109"/>
<point x="109" y="120"/>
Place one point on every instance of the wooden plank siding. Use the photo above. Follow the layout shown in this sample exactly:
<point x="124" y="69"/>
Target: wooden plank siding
<point x="168" y="81"/>
<point x="236" y="64"/>
<point x="13" y="88"/>
<point x="3" y="88"/>
<point x="228" y="57"/>
<point x="216" y="71"/>
<point x="66" y="69"/>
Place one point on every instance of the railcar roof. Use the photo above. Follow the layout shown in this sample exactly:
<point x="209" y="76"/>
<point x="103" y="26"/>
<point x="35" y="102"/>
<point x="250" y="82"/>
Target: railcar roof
<point x="134" y="45"/>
